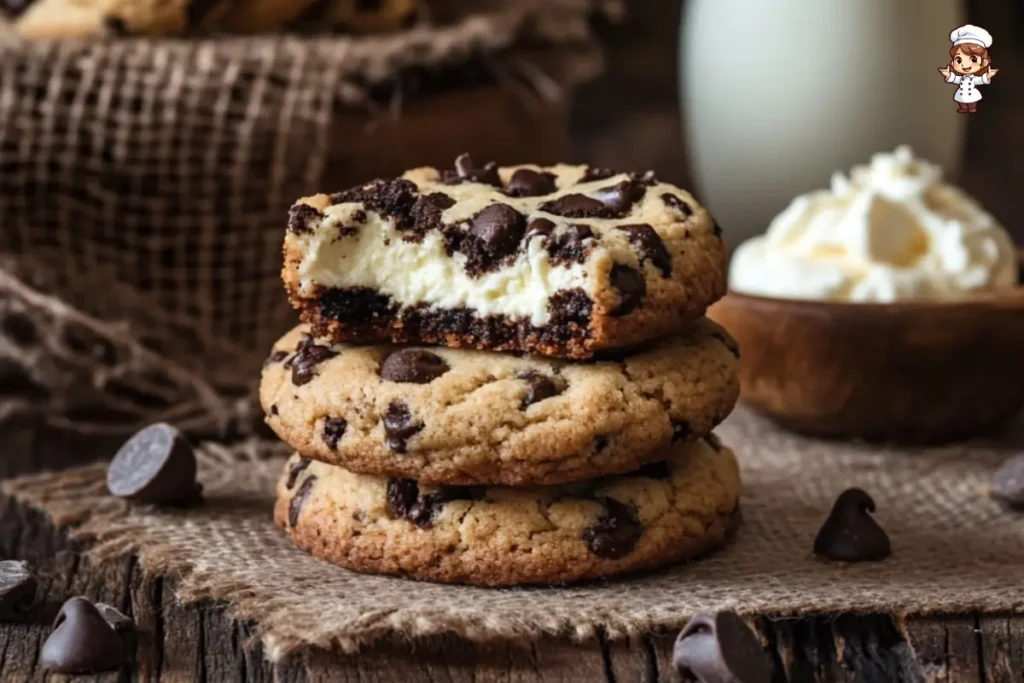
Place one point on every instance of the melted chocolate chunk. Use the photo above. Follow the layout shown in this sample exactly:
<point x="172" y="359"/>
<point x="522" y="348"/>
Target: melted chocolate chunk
<point x="402" y="495"/>
<point x="538" y="388"/>
<point x="493" y="235"/>
<point x="467" y="171"/>
<point x="596" y="173"/>
<point x="681" y="431"/>
<point x="650" y="246"/>
<point x="538" y="227"/>
<point x="529" y="183"/>
<point x="399" y="426"/>
<point x="404" y="501"/>
<point x="570" y="306"/>
<point x="299" y="500"/>
<point x="576" y="206"/>
<point x="616" y="533"/>
<point x="654" y="470"/>
<point x="295" y="470"/>
<point x="567" y="246"/>
<point x="334" y="429"/>
<point x="307" y="358"/>
<point x="413" y="366"/>
<point x="394" y="199"/>
<point x="275" y="357"/>
<point x="619" y="198"/>
<point x="631" y="286"/>
<point x="677" y="203"/>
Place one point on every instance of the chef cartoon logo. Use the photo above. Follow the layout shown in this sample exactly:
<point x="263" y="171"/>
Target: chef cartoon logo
<point x="969" y="66"/>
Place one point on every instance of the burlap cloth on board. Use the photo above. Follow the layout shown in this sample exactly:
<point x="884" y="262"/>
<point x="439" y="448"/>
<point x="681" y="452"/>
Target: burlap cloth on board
<point x="954" y="549"/>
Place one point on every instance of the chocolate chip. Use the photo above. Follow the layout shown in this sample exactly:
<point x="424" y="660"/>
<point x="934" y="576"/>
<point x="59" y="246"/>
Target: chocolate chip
<point x="403" y="500"/>
<point x="1008" y="482"/>
<point x="121" y="623"/>
<point x="295" y="470"/>
<point x="538" y="227"/>
<point x="116" y="26"/>
<point x="615" y="533"/>
<point x="157" y="465"/>
<point x="596" y="173"/>
<point x="677" y="203"/>
<point x="720" y="648"/>
<point x="681" y="430"/>
<point x="567" y="246"/>
<point x="17" y="590"/>
<point x="82" y="641"/>
<point x="850" y="534"/>
<point x="402" y="495"/>
<point x="650" y="246"/>
<point x="466" y="170"/>
<point x="493" y="234"/>
<point x="299" y="500"/>
<point x="529" y="183"/>
<point x="619" y="198"/>
<point x="399" y="426"/>
<point x="413" y="366"/>
<point x="274" y="410"/>
<point x="631" y="287"/>
<point x="334" y="429"/>
<point x="538" y="388"/>
<point x="302" y="218"/>
<point x="575" y="206"/>
<point x="275" y="357"/>
<point x="654" y="470"/>
<point x="307" y="358"/>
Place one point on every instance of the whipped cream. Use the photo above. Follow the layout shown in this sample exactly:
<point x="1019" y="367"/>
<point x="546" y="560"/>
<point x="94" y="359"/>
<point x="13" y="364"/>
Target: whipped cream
<point x="892" y="230"/>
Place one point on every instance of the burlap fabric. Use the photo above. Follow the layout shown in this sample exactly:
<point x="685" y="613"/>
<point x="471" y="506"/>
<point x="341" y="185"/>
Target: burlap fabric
<point x="144" y="187"/>
<point x="954" y="549"/>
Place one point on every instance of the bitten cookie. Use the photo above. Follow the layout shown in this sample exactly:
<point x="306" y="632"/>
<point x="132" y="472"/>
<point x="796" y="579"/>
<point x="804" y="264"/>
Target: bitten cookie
<point x="561" y="261"/>
<point x="664" y="513"/>
<point x="471" y="417"/>
<point x="96" y="18"/>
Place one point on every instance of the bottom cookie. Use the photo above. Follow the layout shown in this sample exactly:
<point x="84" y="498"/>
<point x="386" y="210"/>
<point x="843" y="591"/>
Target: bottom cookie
<point x="497" y="536"/>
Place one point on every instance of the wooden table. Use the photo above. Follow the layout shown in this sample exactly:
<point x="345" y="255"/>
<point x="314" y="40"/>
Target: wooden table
<point x="179" y="643"/>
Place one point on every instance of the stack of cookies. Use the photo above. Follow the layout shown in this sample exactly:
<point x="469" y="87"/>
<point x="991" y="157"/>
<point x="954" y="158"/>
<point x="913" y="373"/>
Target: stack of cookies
<point x="504" y="376"/>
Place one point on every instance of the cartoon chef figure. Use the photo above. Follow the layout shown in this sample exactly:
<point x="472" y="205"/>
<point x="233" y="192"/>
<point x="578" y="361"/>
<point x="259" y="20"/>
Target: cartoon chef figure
<point x="969" y="65"/>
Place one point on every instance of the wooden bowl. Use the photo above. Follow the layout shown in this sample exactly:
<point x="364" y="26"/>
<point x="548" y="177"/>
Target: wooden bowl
<point x="921" y="372"/>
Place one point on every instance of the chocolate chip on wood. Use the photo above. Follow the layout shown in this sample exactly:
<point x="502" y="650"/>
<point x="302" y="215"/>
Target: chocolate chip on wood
<point x="851" y="534"/>
<point x="157" y="465"/>
<point x="17" y="590"/>
<point x="82" y="641"/>
<point x="720" y="648"/>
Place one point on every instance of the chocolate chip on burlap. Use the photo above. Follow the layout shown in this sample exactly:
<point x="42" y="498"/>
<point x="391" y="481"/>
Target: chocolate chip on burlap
<point x="157" y="466"/>
<point x="413" y="366"/>
<point x="720" y="648"/>
<point x="851" y="534"/>
<point x="1008" y="482"/>
<point x="529" y="183"/>
<point x="17" y="590"/>
<point x="82" y="641"/>
<point x="615" y="533"/>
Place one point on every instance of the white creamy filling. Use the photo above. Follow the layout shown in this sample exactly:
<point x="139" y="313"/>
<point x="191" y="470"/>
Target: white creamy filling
<point x="892" y="231"/>
<point x="423" y="273"/>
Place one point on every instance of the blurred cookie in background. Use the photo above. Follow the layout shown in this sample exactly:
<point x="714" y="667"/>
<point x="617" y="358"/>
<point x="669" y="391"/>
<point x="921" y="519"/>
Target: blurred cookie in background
<point x="264" y="16"/>
<point x="369" y="16"/>
<point x="99" y="18"/>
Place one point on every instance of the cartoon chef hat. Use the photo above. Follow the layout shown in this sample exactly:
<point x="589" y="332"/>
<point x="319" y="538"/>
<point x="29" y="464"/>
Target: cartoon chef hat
<point x="971" y="34"/>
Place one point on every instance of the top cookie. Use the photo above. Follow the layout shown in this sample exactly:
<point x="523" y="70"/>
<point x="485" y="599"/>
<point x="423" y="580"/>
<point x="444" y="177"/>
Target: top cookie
<point x="98" y="18"/>
<point x="560" y="261"/>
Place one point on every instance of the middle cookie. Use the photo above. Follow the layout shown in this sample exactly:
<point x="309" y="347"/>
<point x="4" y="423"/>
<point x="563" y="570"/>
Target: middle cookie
<point x="459" y="417"/>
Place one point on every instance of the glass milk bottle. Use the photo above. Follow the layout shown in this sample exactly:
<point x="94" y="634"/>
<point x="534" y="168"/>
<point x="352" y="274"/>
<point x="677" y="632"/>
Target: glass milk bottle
<point x="778" y="94"/>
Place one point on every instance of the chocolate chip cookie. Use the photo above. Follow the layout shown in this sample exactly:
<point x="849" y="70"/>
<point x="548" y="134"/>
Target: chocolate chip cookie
<point x="262" y="16"/>
<point x="560" y="261"/>
<point x="361" y="17"/>
<point x="470" y="417"/>
<point x="96" y="18"/>
<point x="665" y="512"/>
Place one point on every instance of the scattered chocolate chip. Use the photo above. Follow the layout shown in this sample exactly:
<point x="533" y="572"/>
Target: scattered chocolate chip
<point x="631" y="287"/>
<point x="299" y="500"/>
<point x="399" y="426"/>
<point x="570" y="306"/>
<point x="466" y="170"/>
<point x="307" y="358"/>
<point x="413" y="366"/>
<point x="275" y="357"/>
<point x="82" y="641"/>
<point x="615" y="533"/>
<point x="619" y="198"/>
<point x="596" y="173"/>
<point x="654" y="470"/>
<point x="649" y="246"/>
<point x="402" y="495"/>
<point x="538" y="388"/>
<point x="120" y="622"/>
<point x="17" y="590"/>
<point x="681" y="431"/>
<point x="493" y="234"/>
<point x="295" y="470"/>
<point x="850" y="534"/>
<point x="157" y="465"/>
<point x="538" y="227"/>
<point x="334" y="429"/>
<point x="575" y="206"/>
<point x="720" y="648"/>
<point x="302" y="218"/>
<point x="677" y="203"/>
<point x="1008" y="482"/>
<point x="529" y="183"/>
<point x="567" y="246"/>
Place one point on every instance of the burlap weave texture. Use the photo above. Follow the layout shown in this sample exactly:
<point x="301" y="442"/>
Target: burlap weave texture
<point x="954" y="549"/>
